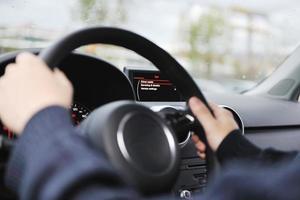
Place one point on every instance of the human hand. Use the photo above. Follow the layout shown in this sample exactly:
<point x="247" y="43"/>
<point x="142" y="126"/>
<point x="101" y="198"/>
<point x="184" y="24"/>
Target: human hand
<point x="27" y="87"/>
<point x="216" y="127"/>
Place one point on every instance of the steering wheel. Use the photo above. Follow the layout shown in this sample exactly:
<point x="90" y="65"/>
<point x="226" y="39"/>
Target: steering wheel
<point x="139" y="143"/>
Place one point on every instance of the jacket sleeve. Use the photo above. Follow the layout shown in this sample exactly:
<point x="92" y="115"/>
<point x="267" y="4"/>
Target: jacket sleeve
<point x="236" y="147"/>
<point x="243" y="180"/>
<point x="51" y="161"/>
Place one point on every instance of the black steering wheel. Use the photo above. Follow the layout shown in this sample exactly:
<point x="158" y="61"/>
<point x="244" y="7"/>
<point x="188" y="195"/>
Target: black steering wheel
<point x="137" y="141"/>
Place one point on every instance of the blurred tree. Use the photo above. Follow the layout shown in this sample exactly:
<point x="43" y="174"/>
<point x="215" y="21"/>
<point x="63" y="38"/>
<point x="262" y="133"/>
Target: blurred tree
<point x="253" y="61"/>
<point x="205" y="37"/>
<point x="102" y="11"/>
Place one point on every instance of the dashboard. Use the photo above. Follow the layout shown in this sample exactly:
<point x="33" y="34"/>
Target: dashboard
<point x="95" y="83"/>
<point x="78" y="113"/>
<point x="157" y="92"/>
<point x="266" y="122"/>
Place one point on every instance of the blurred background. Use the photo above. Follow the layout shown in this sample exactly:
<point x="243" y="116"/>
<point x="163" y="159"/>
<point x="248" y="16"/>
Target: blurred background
<point x="227" y="45"/>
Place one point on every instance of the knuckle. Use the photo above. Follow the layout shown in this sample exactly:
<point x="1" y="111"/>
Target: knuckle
<point x="9" y="68"/>
<point x="70" y="85"/>
<point x="223" y="110"/>
<point x="21" y="56"/>
<point x="1" y="81"/>
<point x="24" y="56"/>
<point x="226" y="112"/>
<point x="229" y="113"/>
<point x="200" y="109"/>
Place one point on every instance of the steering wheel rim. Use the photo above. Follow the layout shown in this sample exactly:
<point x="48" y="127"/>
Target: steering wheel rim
<point x="129" y="40"/>
<point x="132" y="41"/>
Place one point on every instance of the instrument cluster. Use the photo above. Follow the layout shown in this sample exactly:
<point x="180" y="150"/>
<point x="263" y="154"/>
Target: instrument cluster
<point x="78" y="113"/>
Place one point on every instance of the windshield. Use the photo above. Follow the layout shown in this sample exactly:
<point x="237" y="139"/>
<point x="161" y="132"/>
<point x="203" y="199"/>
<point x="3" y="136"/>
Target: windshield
<point x="226" y="45"/>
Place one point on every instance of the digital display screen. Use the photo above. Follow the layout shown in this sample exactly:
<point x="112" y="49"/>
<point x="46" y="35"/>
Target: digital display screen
<point x="152" y="86"/>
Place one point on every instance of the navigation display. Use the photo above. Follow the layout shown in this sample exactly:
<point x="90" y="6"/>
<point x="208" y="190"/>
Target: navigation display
<point x="152" y="86"/>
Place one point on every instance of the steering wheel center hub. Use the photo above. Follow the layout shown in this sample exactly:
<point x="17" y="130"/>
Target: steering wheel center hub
<point x="146" y="142"/>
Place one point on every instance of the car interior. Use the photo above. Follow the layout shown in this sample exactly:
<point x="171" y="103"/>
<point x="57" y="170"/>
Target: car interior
<point x="123" y="111"/>
<point x="264" y="114"/>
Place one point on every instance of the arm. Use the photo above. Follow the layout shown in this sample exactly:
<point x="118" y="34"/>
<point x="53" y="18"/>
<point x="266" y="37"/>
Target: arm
<point x="243" y="180"/>
<point x="236" y="147"/>
<point x="226" y="140"/>
<point x="51" y="161"/>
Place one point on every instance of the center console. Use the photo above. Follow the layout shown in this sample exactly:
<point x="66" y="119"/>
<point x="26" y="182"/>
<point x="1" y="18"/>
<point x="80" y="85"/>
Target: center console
<point x="156" y="91"/>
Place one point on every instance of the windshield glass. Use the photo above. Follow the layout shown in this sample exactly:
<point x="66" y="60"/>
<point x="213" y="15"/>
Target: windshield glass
<point x="227" y="45"/>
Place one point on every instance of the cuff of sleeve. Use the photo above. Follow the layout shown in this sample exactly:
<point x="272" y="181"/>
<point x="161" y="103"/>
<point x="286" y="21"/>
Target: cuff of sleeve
<point x="234" y="146"/>
<point x="40" y="128"/>
<point x="50" y="118"/>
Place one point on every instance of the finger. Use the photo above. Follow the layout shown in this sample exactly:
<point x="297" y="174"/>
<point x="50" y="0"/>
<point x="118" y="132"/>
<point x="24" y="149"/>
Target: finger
<point x="61" y="77"/>
<point x="24" y="57"/>
<point x="63" y="80"/>
<point x="201" y="155"/>
<point x="59" y="74"/>
<point x="29" y="59"/>
<point x="216" y="109"/>
<point x="195" y="138"/>
<point x="200" y="146"/>
<point x="9" y="68"/>
<point x="228" y="113"/>
<point x="201" y="112"/>
<point x="2" y="80"/>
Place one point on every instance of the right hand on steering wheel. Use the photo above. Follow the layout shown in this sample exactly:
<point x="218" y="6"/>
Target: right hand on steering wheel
<point x="215" y="128"/>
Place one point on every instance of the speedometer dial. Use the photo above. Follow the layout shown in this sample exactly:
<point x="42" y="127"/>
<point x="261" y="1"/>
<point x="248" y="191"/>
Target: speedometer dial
<point x="78" y="113"/>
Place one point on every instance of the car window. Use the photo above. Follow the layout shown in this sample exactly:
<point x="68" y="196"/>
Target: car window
<point x="227" y="45"/>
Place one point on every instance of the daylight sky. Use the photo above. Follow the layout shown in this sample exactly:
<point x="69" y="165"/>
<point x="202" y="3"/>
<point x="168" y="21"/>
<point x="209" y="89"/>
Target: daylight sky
<point x="156" y="19"/>
<point x="57" y="11"/>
